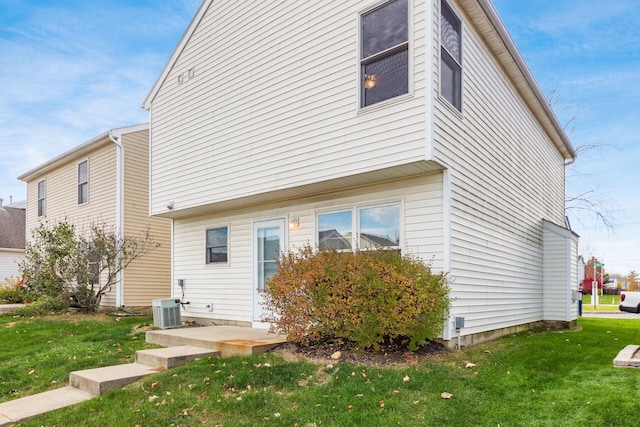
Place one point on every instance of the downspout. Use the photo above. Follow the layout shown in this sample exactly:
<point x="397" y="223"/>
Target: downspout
<point x="119" y="210"/>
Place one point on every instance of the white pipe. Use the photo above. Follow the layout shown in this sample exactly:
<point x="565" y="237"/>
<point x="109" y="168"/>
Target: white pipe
<point x="119" y="209"/>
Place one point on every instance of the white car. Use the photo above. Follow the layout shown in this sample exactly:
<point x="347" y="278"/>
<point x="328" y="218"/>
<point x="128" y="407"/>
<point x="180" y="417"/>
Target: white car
<point x="630" y="301"/>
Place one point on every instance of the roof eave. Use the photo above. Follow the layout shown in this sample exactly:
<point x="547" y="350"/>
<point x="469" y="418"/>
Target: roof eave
<point x="544" y="111"/>
<point x="175" y="54"/>
<point x="82" y="148"/>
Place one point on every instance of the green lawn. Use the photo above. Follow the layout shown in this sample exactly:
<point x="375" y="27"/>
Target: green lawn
<point x="547" y="378"/>
<point x="602" y="299"/>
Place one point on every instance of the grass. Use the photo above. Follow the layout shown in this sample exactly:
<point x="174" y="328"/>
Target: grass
<point x="602" y="299"/>
<point x="38" y="354"/>
<point x="606" y="303"/>
<point x="546" y="378"/>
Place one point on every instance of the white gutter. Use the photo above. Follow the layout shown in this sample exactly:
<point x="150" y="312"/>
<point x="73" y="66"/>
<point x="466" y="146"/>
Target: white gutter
<point x="119" y="210"/>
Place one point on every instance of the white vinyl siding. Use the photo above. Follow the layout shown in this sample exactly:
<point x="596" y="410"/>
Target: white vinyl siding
<point x="9" y="259"/>
<point x="506" y="177"/>
<point x="560" y="275"/>
<point x="230" y="290"/>
<point x="286" y="109"/>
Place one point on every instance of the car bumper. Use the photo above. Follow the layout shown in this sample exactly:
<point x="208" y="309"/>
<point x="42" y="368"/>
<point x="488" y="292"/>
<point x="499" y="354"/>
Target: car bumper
<point x="627" y="309"/>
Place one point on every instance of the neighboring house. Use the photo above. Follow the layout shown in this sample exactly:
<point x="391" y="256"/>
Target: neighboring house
<point x="414" y="124"/>
<point x="105" y="181"/>
<point x="12" y="239"/>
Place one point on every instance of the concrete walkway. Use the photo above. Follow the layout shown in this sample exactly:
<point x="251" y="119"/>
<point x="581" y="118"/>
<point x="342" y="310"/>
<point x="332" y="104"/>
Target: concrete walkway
<point x="182" y="345"/>
<point x="6" y="307"/>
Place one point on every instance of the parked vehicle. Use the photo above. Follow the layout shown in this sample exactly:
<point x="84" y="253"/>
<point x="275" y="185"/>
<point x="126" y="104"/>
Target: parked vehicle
<point x="630" y="301"/>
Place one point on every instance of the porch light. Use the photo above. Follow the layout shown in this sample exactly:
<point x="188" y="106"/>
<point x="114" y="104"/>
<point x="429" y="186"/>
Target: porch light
<point x="294" y="222"/>
<point x="370" y="81"/>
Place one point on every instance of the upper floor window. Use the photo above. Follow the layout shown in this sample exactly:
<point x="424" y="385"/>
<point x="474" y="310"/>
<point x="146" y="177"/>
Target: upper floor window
<point x="217" y="245"/>
<point x="41" y="198"/>
<point x="375" y="227"/>
<point x="83" y="182"/>
<point x="450" y="56"/>
<point x="384" y="57"/>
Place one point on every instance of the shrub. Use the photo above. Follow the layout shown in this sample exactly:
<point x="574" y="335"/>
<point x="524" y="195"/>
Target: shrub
<point x="44" y="305"/>
<point x="366" y="297"/>
<point x="13" y="292"/>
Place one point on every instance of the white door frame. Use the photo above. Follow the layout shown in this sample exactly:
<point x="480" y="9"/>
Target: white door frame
<point x="280" y="223"/>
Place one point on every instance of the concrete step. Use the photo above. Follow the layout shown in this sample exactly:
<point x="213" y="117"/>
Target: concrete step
<point x="629" y="357"/>
<point x="22" y="409"/>
<point x="172" y="356"/>
<point x="100" y="380"/>
<point x="228" y="340"/>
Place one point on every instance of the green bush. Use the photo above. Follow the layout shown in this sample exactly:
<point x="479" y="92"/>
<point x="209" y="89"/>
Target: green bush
<point x="13" y="292"/>
<point x="366" y="297"/>
<point x="44" y="305"/>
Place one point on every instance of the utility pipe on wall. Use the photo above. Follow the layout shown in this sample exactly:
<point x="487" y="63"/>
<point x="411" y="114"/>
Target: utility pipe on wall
<point x="119" y="209"/>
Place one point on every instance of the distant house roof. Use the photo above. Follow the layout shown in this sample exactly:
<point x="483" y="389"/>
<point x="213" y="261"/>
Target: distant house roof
<point x="12" y="228"/>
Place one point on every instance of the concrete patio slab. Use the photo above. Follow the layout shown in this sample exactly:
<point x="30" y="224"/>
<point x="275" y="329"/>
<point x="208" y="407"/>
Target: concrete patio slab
<point x="228" y="340"/>
<point x="24" y="408"/>
<point x="172" y="356"/>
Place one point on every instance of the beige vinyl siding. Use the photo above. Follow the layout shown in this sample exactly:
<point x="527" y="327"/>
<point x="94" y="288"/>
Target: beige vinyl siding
<point x="148" y="277"/>
<point x="285" y="112"/>
<point x="62" y="191"/>
<point x="9" y="260"/>
<point x="229" y="287"/>
<point x="506" y="176"/>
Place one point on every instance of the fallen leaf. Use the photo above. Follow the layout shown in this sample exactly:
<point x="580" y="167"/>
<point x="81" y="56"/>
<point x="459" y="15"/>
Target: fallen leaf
<point x="203" y="395"/>
<point x="32" y="371"/>
<point x="277" y="415"/>
<point x="381" y="404"/>
<point x="415" y="402"/>
<point x="446" y="395"/>
<point x="470" y="365"/>
<point x="337" y="355"/>
<point x="406" y="378"/>
<point x="155" y="384"/>
<point x="359" y="395"/>
<point x="152" y="398"/>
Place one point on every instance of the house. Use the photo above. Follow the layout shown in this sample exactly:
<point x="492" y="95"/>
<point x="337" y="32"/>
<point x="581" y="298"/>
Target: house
<point x="12" y="239"/>
<point x="106" y="181"/>
<point x="414" y="121"/>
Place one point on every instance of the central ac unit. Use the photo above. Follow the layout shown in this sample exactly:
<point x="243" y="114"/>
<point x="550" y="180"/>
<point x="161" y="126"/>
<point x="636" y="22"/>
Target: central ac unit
<point x="166" y="313"/>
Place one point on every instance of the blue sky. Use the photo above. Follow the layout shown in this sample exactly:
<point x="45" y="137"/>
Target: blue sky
<point x="74" y="69"/>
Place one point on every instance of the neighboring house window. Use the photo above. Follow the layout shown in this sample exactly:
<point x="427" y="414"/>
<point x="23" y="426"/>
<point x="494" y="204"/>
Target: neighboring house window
<point x="384" y="58"/>
<point x="217" y="245"/>
<point x="450" y="56"/>
<point x="376" y="227"/>
<point x="41" y="198"/>
<point x="83" y="182"/>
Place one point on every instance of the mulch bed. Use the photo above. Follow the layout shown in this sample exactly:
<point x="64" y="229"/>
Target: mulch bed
<point x="388" y="355"/>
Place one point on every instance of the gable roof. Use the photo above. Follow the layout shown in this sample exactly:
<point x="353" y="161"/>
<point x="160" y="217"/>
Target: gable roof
<point x="12" y="228"/>
<point x="492" y="30"/>
<point x="80" y="149"/>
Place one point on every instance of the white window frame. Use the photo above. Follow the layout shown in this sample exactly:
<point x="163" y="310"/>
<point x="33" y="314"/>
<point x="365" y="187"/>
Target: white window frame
<point x="446" y="56"/>
<point x="79" y="184"/>
<point x="363" y="61"/>
<point x="206" y="245"/>
<point x="355" y="223"/>
<point x="42" y="198"/>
